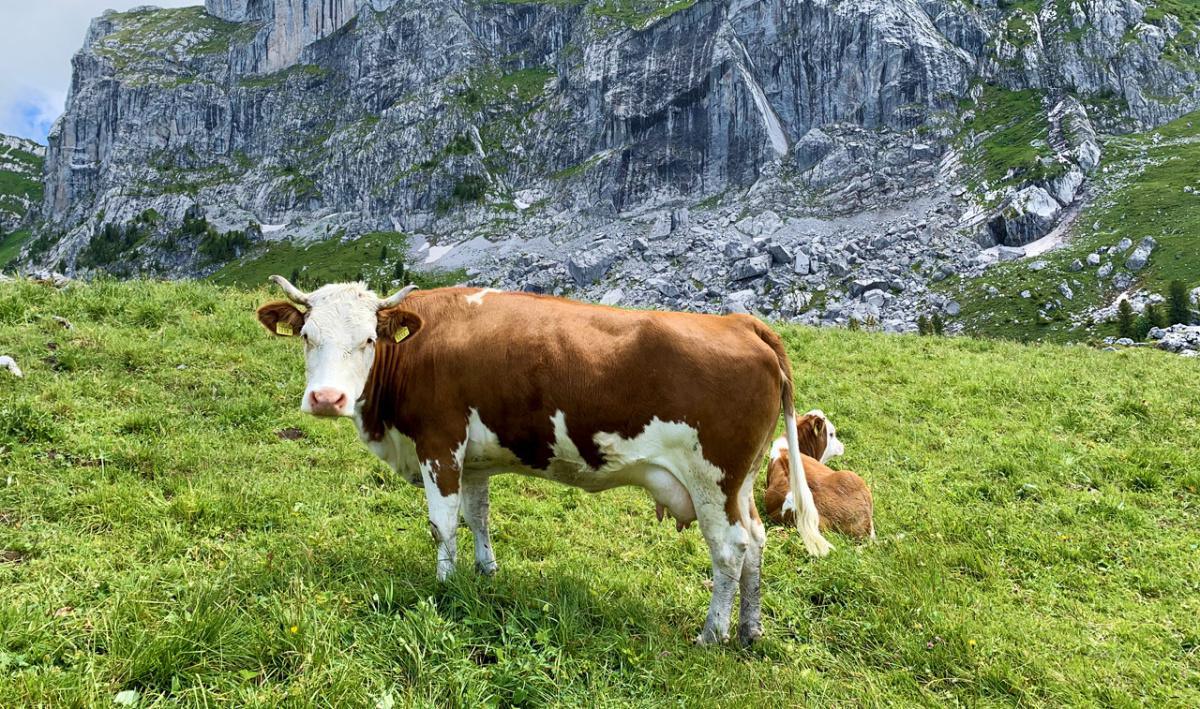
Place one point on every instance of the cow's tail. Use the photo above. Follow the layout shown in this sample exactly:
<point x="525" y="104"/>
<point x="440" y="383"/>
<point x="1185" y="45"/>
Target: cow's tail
<point x="808" y="520"/>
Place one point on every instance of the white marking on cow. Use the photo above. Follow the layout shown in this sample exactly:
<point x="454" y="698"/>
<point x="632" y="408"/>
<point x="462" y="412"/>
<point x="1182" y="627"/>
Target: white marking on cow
<point x="339" y="337"/>
<point x="833" y="445"/>
<point x="443" y="520"/>
<point x="778" y="448"/>
<point x="789" y="505"/>
<point x="477" y="298"/>
<point x="396" y="449"/>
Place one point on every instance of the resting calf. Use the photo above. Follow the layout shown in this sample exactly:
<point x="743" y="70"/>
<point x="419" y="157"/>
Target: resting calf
<point x="842" y="498"/>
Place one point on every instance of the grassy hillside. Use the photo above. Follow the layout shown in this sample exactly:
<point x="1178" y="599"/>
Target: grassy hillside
<point x="20" y="190"/>
<point x="170" y="524"/>
<point x="378" y="256"/>
<point x="1150" y="188"/>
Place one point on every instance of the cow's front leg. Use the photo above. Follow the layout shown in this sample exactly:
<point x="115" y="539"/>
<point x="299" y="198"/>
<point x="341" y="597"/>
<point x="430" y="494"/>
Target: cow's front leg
<point x="475" y="510"/>
<point x="441" y="494"/>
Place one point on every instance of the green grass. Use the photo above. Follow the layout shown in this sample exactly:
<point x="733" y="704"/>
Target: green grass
<point x="1141" y="195"/>
<point x="10" y="246"/>
<point x="330" y="260"/>
<point x="1037" y="507"/>
<point x="1010" y="144"/>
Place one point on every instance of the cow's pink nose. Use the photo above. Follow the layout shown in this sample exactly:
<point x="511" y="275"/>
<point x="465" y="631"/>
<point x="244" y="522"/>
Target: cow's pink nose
<point x="327" y="401"/>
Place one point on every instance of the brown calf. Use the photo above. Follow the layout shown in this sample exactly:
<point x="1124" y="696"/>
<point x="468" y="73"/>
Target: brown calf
<point x="842" y="497"/>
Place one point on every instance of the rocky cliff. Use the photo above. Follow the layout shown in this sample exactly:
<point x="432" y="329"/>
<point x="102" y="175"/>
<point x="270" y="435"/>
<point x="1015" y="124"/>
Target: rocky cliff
<point x="781" y="155"/>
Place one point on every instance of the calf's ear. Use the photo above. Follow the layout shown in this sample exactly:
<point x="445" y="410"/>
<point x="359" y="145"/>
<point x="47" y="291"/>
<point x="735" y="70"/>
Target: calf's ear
<point x="281" y="318"/>
<point x="397" y="324"/>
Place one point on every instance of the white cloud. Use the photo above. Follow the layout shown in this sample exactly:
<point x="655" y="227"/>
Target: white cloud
<point x="37" y="40"/>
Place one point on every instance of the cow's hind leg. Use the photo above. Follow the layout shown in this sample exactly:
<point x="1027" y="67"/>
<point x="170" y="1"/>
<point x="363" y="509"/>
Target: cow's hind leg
<point x="475" y="510"/>
<point x="443" y="501"/>
<point x="727" y="545"/>
<point x="750" y="615"/>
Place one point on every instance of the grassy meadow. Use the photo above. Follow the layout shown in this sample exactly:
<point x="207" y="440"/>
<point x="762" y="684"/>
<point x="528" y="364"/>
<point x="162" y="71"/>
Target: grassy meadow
<point x="173" y="532"/>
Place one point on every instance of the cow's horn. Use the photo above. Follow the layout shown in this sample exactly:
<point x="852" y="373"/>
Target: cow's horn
<point x="396" y="297"/>
<point x="293" y="293"/>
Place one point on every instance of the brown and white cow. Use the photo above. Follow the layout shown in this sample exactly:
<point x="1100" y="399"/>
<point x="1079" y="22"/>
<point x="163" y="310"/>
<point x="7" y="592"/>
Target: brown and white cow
<point x="843" y="499"/>
<point x="453" y="385"/>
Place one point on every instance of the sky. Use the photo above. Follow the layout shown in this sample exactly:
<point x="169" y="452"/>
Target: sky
<point x="37" y="40"/>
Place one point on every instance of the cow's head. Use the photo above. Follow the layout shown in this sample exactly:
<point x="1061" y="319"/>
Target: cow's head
<point x="340" y="325"/>
<point x="824" y="435"/>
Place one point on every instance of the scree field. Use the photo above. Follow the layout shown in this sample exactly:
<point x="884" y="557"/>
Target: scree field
<point x="174" y="532"/>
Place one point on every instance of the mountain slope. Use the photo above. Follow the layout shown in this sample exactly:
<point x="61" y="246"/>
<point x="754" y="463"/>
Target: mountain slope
<point x="817" y="159"/>
<point x="174" y="526"/>
<point x="1150" y="189"/>
<point x="21" y="166"/>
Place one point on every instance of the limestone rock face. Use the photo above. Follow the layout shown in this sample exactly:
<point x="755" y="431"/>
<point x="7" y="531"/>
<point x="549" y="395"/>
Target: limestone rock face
<point x="516" y="134"/>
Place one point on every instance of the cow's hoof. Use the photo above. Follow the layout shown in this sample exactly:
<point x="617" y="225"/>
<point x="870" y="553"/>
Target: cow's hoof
<point x="748" y="635"/>
<point x="710" y="637"/>
<point x="486" y="569"/>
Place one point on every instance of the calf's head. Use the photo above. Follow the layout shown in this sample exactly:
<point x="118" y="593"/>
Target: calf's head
<point x="818" y="437"/>
<point x="341" y="325"/>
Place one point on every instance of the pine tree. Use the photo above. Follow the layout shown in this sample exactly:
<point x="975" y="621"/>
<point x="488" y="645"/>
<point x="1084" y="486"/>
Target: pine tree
<point x="1126" y="325"/>
<point x="399" y="273"/>
<point x="937" y="325"/>
<point x="295" y="276"/>
<point x="1178" y="308"/>
<point x="383" y="254"/>
<point x="923" y="327"/>
<point x="1155" y="315"/>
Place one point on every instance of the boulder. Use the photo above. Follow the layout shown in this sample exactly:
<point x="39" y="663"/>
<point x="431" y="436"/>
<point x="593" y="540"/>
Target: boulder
<point x="1026" y="216"/>
<point x="588" y="267"/>
<point x="862" y="285"/>
<point x="661" y="228"/>
<point x="612" y="297"/>
<point x="802" y="266"/>
<point x="1093" y="259"/>
<point x="741" y="301"/>
<point x="751" y="267"/>
<point x="1141" y="255"/>
<point x="779" y="253"/>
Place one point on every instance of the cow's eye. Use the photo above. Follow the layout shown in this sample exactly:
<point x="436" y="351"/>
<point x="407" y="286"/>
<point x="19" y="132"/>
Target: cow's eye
<point x="370" y="341"/>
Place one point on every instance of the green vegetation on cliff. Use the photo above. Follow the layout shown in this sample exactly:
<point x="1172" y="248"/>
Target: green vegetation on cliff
<point x="1150" y="188"/>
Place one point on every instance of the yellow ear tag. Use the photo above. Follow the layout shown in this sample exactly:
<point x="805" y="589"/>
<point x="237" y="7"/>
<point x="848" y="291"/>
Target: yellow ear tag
<point x="282" y="328"/>
<point x="401" y="334"/>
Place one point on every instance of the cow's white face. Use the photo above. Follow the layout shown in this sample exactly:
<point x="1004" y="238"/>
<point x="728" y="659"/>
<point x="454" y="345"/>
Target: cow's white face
<point x="833" y="446"/>
<point x="339" y="329"/>
<point x="339" y="347"/>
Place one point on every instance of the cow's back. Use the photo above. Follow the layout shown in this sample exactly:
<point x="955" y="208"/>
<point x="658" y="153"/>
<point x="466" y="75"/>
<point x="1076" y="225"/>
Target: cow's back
<point x="521" y="360"/>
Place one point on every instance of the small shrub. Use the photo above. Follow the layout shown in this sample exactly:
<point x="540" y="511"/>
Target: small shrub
<point x="1179" y="311"/>
<point x="471" y="188"/>
<point x="937" y="325"/>
<point x="923" y="326"/>
<point x="1126" y="322"/>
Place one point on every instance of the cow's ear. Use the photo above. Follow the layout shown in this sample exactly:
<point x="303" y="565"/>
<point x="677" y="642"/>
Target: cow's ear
<point x="281" y="318"/>
<point x="397" y="324"/>
<point x="818" y="425"/>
